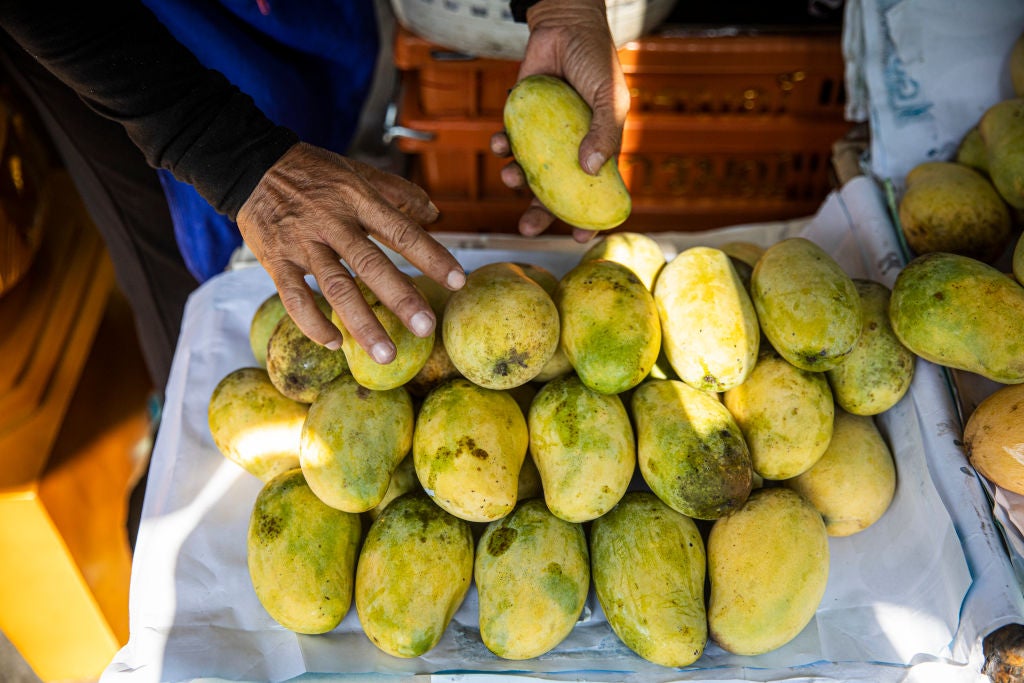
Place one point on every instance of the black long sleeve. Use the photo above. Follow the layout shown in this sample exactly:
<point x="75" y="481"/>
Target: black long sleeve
<point x="127" y="67"/>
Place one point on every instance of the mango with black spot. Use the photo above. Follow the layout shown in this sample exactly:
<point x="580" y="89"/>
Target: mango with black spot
<point x="610" y="327"/>
<point x="297" y="365"/>
<point x="532" y="573"/>
<point x="301" y="555"/>
<point x="501" y="328"/>
<point x="648" y="566"/>
<point x="468" y="447"/>
<point x="414" y="571"/>
<point x="584" y="447"/>
<point x="690" y="450"/>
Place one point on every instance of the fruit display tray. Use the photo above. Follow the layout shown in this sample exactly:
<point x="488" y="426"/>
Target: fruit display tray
<point x="909" y="598"/>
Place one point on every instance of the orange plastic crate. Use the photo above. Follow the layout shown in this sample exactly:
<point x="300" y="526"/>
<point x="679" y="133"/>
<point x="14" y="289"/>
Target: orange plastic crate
<point x="703" y="147"/>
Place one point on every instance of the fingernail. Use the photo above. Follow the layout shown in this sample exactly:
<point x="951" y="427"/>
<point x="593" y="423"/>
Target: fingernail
<point x="594" y="162"/>
<point x="456" y="279"/>
<point x="333" y="345"/>
<point x="422" y="324"/>
<point x="382" y="352"/>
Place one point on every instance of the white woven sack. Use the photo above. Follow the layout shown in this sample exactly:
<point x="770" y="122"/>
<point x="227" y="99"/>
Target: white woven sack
<point x="485" y="28"/>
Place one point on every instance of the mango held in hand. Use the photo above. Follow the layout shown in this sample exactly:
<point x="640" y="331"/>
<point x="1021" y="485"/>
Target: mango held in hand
<point x="532" y="573"/>
<point x="961" y="313"/>
<point x="690" y="450"/>
<point x="768" y="566"/>
<point x="807" y="305"/>
<point x="786" y="415"/>
<point x="853" y="483"/>
<point x="610" y="328"/>
<point x="648" y="568"/>
<point x="994" y="438"/>
<point x="501" y="328"/>
<point x="709" y="327"/>
<point x="413" y="573"/>
<point x="582" y="442"/>
<point x="254" y="425"/>
<point x="411" y="354"/>
<point x="353" y="440"/>
<point x="468" y="447"/>
<point x="301" y="555"/>
<point x="546" y="120"/>
<point x="878" y="372"/>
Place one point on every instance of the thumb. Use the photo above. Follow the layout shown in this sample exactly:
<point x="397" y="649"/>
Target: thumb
<point x="604" y="139"/>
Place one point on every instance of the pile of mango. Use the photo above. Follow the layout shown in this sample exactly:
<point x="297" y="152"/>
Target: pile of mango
<point x="682" y="437"/>
<point x="960" y="217"/>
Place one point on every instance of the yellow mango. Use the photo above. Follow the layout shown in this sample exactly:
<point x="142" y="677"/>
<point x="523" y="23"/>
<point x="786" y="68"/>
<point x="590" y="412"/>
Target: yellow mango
<point x="583" y="444"/>
<point x="971" y="151"/>
<point x="710" y="332"/>
<point x="610" y="329"/>
<point x="808" y="307"/>
<point x="438" y="366"/>
<point x="1002" y="129"/>
<point x="952" y="207"/>
<point x="411" y="355"/>
<point x="297" y="365"/>
<point x="786" y="415"/>
<point x="546" y="120"/>
<point x="254" y="425"/>
<point x="635" y="250"/>
<point x="853" y="483"/>
<point x="558" y="364"/>
<point x="532" y="573"/>
<point x="264" y="320"/>
<point x="403" y="480"/>
<point x="741" y="250"/>
<point x="689" y="449"/>
<point x="994" y="438"/>
<point x="501" y="328"/>
<point x="352" y="441"/>
<point x="768" y="565"/>
<point x="648" y="568"/>
<point x="468" y="448"/>
<point x="961" y="313"/>
<point x="878" y="372"/>
<point x="301" y="555"/>
<point x="414" y="570"/>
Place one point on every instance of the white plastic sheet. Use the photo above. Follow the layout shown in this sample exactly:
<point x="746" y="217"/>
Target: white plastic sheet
<point x="908" y="599"/>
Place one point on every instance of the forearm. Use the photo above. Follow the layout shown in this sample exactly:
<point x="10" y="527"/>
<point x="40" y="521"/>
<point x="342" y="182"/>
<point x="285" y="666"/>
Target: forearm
<point x="184" y="117"/>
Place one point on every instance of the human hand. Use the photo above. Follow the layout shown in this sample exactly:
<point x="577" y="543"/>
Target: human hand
<point x="571" y="39"/>
<point x="314" y="207"/>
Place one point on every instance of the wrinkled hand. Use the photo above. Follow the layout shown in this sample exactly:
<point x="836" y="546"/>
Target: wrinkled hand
<point x="571" y="39"/>
<point x="314" y="207"/>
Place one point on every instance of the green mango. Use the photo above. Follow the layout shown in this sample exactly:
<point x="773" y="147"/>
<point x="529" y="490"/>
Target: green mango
<point x="264" y="320"/>
<point x="648" y="569"/>
<point x="546" y="120"/>
<point x="690" y="450"/>
<point x="878" y="372"/>
<point x="961" y="313"/>
<point x="297" y="365"/>
<point x="301" y="555"/>
<point x="1002" y="128"/>
<point x="583" y="445"/>
<point x="808" y="307"/>
<point x="610" y="329"/>
<point x="971" y="151"/>
<point x="532" y="573"/>
<point x="353" y="439"/>
<point x="414" y="570"/>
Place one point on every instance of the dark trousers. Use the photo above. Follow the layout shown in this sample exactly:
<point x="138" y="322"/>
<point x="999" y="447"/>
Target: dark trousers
<point x="124" y="198"/>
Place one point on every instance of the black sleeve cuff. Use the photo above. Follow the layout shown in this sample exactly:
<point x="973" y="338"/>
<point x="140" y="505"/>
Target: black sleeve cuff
<point x="519" y="8"/>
